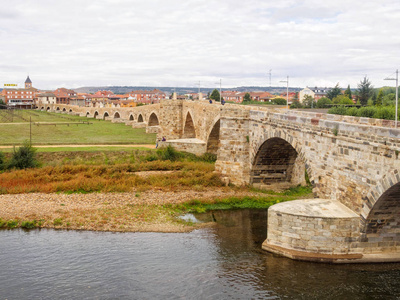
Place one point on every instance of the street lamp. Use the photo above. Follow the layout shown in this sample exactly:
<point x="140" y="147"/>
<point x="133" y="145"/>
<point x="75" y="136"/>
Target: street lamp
<point x="287" y="90"/>
<point x="397" y="92"/>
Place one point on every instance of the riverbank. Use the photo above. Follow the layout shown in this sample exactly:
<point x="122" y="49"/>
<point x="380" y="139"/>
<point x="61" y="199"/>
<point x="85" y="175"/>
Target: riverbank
<point x="152" y="210"/>
<point x="136" y="211"/>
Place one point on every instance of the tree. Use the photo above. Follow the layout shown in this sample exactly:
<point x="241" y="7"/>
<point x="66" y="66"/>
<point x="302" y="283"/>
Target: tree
<point x="365" y="90"/>
<point x="279" y="101"/>
<point x="24" y="157"/>
<point x="323" y="102"/>
<point x="296" y="97"/>
<point x="379" y="98"/>
<point x="247" y="97"/>
<point x="336" y="91"/>
<point x="2" y="104"/>
<point x="309" y="102"/>
<point x="347" y="92"/>
<point x="215" y="95"/>
<point x="341" y="99"/>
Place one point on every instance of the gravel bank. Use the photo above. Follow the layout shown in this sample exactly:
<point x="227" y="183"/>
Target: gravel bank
<point x="104" y="211"/>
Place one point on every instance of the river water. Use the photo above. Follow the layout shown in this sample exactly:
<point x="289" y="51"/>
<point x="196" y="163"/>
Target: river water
<point x="221" y="262"/>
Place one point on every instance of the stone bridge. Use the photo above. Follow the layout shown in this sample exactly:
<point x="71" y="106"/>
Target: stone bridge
<point x="352" y="163"/>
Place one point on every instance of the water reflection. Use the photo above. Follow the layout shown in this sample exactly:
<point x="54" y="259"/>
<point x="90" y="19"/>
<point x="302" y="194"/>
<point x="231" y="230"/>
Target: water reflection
<point x="224" y="261"/>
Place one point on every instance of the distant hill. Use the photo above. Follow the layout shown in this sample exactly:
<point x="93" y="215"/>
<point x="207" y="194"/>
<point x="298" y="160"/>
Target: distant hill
<point x="181" y="90"/>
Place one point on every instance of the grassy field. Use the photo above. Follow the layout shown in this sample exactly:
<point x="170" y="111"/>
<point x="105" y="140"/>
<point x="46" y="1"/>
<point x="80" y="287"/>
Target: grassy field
<point x="15" y="130"/>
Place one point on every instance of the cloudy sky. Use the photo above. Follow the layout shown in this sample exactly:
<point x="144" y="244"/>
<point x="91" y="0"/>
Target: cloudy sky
<point x="78" y="43"/>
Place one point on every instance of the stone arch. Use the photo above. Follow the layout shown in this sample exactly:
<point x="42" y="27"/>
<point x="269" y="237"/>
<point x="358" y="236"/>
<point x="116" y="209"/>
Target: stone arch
<point x="48" y="108"/>
<point x="105" y="115"/>
<point x="189" y="131"/>
<point x="64" y="109"/>
<point x="42" y="108"/>
<point x="131" y="118"/>
<point x="70" y="110"/>
<point x="380" y="215"/>
<point x="58" y="108"/>
<point x="117" y="115"/>
<point x="153" y="120"/>
<point x="213" y="138"/>
<point x="277" y="161"/>
<point x="140" y="118"/>
<point x="87" y="114"/>
<point x="96" y="114"/>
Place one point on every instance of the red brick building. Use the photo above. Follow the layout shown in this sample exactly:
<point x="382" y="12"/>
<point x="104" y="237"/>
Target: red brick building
<point x="20" y="97"/>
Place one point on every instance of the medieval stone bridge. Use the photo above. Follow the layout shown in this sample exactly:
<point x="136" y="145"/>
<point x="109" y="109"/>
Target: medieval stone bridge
<point x="353" y="164"/>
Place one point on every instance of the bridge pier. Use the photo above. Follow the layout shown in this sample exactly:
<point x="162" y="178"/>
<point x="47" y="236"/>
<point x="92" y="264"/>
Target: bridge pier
<point x="319" y="230"/>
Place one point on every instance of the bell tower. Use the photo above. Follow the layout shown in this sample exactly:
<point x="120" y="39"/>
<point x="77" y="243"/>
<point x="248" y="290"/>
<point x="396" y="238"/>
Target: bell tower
<point x="28" y="83"/>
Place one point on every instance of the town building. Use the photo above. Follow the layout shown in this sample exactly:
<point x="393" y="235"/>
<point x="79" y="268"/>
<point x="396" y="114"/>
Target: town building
<point x="316" y="93"/>
<point x="147" y="97"/>
<point x="20" y="97"/>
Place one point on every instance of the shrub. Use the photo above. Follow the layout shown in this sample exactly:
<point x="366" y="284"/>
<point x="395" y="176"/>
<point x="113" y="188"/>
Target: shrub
<point x="338" y="110"/>
<point x="2" y="161"/>
<point x="367" y="112"/>
<point x="386" y="113"/>
<point x="23" y="158"/>
<point x="352" y="111"/>
<point x="296" y="104"/>
<point x="323" y="102"/>
<point x="279" y="101"/>
<point x="168" y="153"/>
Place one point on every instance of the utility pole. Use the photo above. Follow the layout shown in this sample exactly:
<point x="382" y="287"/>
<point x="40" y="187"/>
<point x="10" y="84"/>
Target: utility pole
<point x="287" y="91"/>
<point x="270" y="75"/>
<point x="397" y="93"/>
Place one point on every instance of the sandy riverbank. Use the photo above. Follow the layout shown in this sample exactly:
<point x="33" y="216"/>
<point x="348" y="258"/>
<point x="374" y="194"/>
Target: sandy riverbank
<point x="136" y="211"/>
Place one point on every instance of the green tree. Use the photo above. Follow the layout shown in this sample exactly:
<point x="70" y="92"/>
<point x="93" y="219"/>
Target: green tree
<point x="215" y="95"/>
<point x="365" y="91"/>
<point x="342" y="99"/>
<point x="279" y="101"/>
<point x="24" y="157"/>
<point x="2" y="161"/>
<point x="347" y="92"/>
<point x="309" y="102"/>
<point x="379" y="98"/>
<point x="336" y="91"/>
<point x="247" y="97"/>
<point x="2" y="104"/>
<point x="296" y="97"/>
<point x="324" y="102"/>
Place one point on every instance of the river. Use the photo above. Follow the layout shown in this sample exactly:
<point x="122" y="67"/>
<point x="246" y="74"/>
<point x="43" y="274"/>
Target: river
<point x="221" y="262"/>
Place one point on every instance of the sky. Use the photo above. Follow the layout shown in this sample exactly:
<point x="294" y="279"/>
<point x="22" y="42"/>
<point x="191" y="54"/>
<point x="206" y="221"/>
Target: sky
<point x="191" y="43"/>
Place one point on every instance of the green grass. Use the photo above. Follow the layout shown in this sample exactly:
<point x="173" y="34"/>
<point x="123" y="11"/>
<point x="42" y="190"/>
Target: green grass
<point x="99" y="132"/>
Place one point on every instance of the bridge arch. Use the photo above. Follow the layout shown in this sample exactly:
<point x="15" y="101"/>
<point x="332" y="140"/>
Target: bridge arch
<point x="96" y="114"/>
<point x="117" y="115"/>
<point x="381" y="217"/>
<point x="87" y="114"/>
<point x="131" y="118"/>
<point x="153" y="120"/>
<point x="140" y="118"/>
<point x="48" y="108"/>
<point x="213" y="137"/>
<point x="70" y="110"/>
<point x="189" y="131"/>
<point x="42" y="108"/>
<point x="106" y="114"/>
<point x="277" y="161"/>
<point x="64" y="109"/>
<point x="58" y="108"/>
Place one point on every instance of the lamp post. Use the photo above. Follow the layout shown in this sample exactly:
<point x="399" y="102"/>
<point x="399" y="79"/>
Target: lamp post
<point x="287" y="90"/>
<point x="397" y="93"/>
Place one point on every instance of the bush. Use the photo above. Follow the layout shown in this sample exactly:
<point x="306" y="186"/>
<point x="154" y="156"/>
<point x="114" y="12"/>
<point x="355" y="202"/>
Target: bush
<point x="367" y="112"/>
<point x="2" y="161"/>
<point x="296" y="104"/>
<point x="338" y="110"/>
<point x="323" y="102"/>
<point x="169" y="153"/>
<point x="352" y="111"/>
<point x="279" y="101"/>
<point x="386" y="113"/>
<point x="24" y="157"/>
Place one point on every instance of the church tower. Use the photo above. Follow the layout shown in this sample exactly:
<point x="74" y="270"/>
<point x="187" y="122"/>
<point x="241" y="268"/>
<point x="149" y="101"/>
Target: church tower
<point x="28" y="83"/>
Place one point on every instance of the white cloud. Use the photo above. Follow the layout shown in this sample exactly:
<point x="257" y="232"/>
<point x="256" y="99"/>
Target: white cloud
<point x="172" y="42"/>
